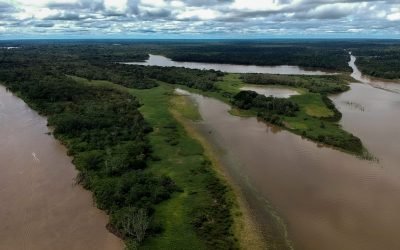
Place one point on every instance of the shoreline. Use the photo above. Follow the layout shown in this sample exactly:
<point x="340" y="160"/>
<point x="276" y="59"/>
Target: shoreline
<point x="52" y="151"/>
<point x="245" y="227"/>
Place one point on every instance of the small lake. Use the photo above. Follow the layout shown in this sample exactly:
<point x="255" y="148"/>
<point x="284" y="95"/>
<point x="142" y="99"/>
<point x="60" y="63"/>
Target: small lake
<point x="157" y="60"/>
<point x="41" y="208"/>
<point x="275" y="91"/>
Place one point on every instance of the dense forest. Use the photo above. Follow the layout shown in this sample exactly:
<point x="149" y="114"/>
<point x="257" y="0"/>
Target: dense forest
<point x="264" y="54"/>
<point x="269" y="108"/>
<point x="376" y="57"/>
<point x="322" y="84"/>
<point x="107" y="136"/>
<point x="379" y="61"/>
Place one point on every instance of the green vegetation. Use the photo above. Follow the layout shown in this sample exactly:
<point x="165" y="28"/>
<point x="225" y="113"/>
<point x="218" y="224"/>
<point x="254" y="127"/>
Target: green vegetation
<point x="311" y="115"/>
<point x="305" y="114"/>
<point x="270" y="109"/>
<point x="107" y="136"/>
<point x="329" y="84"/>
<point x="142" y="77"/>
<point x="271" y="53"/>
<point x="379" y="61"/>
<point x="316" y="121"/>
<point x="186" y="108"/>
<point x="198" y="217"/>
<point x="154" y="181"/>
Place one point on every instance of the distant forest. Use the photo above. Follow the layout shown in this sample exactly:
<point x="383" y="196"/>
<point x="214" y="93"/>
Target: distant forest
<point x="378" y="58"/>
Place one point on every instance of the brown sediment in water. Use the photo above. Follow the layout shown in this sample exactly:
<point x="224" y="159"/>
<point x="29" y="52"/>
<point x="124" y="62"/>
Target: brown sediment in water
<point x="328" y="199"/>
<point x="245" y="228"/>
<point x="41" y="207"/>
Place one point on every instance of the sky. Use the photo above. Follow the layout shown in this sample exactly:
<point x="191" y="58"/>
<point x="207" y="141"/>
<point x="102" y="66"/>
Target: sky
<point x="240" y="19"/>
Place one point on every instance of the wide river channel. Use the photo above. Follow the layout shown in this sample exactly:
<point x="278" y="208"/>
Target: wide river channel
<point x="158" y="60"/>
<point x="326" y="198"/>
<point x="41" y="208"/>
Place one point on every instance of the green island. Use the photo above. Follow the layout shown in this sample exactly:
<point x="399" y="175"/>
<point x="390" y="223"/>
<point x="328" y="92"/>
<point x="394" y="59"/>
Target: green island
<point x="310" y="114"/>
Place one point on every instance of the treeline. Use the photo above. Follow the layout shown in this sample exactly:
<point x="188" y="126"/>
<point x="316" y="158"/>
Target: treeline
<point x="265" y="54"/>
<point x="270" y="109"/>
<point x="379" y="58"/>
<point x="328" y="84"/>
<point x="107" y="136"/>
<point x="100" y="62"/>
<point x="145" y="77"/>
<point x="347" y="142"/>
<point x="384" y="63"/>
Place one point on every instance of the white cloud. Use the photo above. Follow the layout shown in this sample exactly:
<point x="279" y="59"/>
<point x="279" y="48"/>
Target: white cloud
<point x="261" y="5"/>
<point x="395" y="15"/>
<point x="116" y="5"/>
<point x="225" y="17"/>
<point x="198" y="14"/>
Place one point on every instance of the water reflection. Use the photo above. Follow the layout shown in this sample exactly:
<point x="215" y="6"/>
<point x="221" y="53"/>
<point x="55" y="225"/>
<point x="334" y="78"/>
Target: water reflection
<point x="275" y="91"/>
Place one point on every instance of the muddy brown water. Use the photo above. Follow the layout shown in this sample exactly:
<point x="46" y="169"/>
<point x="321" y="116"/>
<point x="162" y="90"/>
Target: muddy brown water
<point x="157" y="60"/>
<point x="40" y="207"/>
<point x="327" y="199"/>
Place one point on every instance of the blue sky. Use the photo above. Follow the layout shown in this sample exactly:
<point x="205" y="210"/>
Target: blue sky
<point x="199" y="19"/>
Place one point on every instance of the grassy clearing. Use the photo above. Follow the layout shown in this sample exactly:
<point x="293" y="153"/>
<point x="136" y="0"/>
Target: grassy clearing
<point x="178" y="162"/>
<point x="312" y="105"/>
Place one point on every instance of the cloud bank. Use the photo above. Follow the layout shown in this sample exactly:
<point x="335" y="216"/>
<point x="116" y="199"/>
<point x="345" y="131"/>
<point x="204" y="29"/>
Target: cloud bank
<point x="199" y="18"/>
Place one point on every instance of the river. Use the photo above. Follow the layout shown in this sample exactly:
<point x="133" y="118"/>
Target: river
<point x="327" y="199"/>
<point x="40" y="207"/>
<point x="157" y="60"/>
<point x="377" y="83"/>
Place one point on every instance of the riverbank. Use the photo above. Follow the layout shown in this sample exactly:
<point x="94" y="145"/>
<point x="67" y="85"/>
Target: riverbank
<point x="42" y="207"/>
<point x="245" y="228"/>
<point x="163" y="110"/>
